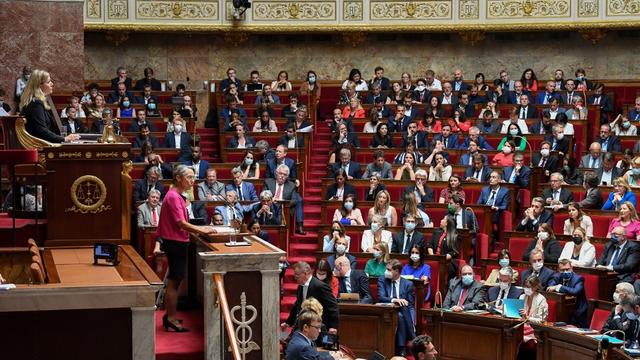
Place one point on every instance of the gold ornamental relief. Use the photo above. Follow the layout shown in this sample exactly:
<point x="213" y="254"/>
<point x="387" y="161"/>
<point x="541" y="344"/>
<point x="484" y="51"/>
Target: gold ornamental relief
<point x="94" y="9"/>
<point x="504" y="9"/>
<point x="88" y="194"/>
<point x="412" y="10"/>
<point x="623" y="7"/>
<point x="118" y="9"/>
<point x="588" y="8"/>
<point x="352" y="10"/>
<point x="294" y="10"/>
<point x="189" y="10"/>
<point x="468" y="9"/>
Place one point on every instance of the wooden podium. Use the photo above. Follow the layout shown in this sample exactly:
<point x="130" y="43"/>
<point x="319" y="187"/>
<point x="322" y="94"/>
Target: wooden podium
<point x="89" y="194"/>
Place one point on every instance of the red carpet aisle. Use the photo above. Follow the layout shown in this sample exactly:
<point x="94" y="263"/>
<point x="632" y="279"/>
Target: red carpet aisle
<point x="181" y="346"/>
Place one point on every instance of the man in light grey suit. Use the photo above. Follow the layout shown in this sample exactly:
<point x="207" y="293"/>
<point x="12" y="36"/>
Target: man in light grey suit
<point x="593" y="160"/>
<point x="379" y="165"/>
<point x="211" y="189"/>
<point x="232" y="210"/>
<point x="149" y="211"/>
<point x="285" y="190"/>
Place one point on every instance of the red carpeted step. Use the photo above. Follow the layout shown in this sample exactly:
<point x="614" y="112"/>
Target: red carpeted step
<point x="303" y="246"/>
<point x="181" y="346"/>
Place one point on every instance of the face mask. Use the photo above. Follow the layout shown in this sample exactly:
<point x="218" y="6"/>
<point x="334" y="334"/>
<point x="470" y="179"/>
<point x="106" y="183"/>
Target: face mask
<point x="377" y="254"/>
<point x="410" y="226"/>
<point x="560" y="136"/>
<point x="312" y="79"/>
<point x="415" y="257"/>
<point x="451" y="209"/>
<point x="577" y="240"/>
<point x="506" y="150"/>
<point x="282" y="266"/>
<point x="152" y="106"/>
<point x="321" y="277"/>
<point x="503" y="262"/>
<point x="543" y="235"/>
<point x="467" y="279"/>
<point x="27" y="76"/>
<point x="635" y="171"/>
<point x="537" y="266"/>
<point x="566" y="275"/>
<point x="177" y="128"/>
<point x="513" y="132"/>
<point x="388" y="274"/>
<point x="566" y="169"/>
<point x="614" y="239"/>
<point x="631" y="316"/>
<point x="248" y="161"/>
<point x="126" y="104"/>
<point x="374" y="227"/>
<point x="616" y="298"/>
<point x="528" y="291"/>
<point x="504" y="285"/>
<point x="341" y="249"/>
<point x="626" y="124"/>
<point x="544" y="152"/>
<point x="580" y="78"/>
<point x="348" y="205"/>
<point x="420" y="88"/>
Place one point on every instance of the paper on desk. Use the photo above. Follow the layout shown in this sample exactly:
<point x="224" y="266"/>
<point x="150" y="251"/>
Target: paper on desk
<point x="512" y="308"/>
<point x="5" y="287"/>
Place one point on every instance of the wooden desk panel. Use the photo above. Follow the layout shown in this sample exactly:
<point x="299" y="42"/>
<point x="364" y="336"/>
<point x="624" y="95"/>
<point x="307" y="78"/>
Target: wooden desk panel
<point x="368" y="328"/>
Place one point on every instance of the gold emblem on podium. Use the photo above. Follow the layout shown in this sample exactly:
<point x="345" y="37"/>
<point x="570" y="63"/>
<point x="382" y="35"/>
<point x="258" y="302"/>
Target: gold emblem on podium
<point x="88" y="194"/>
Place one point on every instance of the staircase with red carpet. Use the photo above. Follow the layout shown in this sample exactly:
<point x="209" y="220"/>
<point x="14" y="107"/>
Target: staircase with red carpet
<point x="303" y="248"/>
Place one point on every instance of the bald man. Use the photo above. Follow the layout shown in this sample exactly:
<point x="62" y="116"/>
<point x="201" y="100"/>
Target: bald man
<point x="352" y="281"/>
<point x="465" y="293"/>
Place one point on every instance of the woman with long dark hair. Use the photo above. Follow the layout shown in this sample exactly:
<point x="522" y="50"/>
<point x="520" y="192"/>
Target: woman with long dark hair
<point x="446" y="241"/>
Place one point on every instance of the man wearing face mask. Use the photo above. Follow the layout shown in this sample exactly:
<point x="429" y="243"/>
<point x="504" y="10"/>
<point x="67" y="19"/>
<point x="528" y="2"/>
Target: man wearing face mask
<point x="620" y="255"/>
<point x="199" y="166"/>
<point x="403" y="241"/>
<point x="558" y="141"/>
<point x="179" y="139"/>
<point x="504" y="290"/>
<point x="536" y="259"/>
<point x="352" y="281"/>
<point x="567" y="282"/>
<point x="631" y="327"/>
<point x="534" y="216"/>
<point x="464" y="293"/>
<point x="290" y="139"/>
<point x="544" y="159"/>
<point x="394" y="289"/>
<point x="617" y="317"/>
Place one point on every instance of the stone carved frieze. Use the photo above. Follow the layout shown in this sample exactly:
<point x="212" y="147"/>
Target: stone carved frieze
<point x="293" y="10"/>
<point x="588" y="8"/>
<point x="94" y="9"/>
<point x="410" y="10"/>
<point x="502" y="9"/>
<point x="118" y="9"/>
<point x="352" y="10"/>
<point x="468" y="9"/>
<point x="189" y="10"/>
<point x="623" y="7"/>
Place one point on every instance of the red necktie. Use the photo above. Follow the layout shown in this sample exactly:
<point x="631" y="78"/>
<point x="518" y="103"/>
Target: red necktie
<point x="278" y="192"/>
<point x="154" y="217"/>
<point x="463" y="296"/>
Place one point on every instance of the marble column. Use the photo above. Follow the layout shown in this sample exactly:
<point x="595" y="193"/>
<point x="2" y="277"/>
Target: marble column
<point x="143" y="335"/>
<point x="212" y="318"/>
<point x="270" y="314"/>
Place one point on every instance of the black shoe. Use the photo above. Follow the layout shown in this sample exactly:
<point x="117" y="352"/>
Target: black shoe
<point x="176" y="327"/>
<point x="300" y="230"/>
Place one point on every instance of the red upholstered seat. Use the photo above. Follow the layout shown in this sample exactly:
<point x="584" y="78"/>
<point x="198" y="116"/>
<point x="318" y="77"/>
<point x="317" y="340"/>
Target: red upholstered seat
<point x="552" y="310"/>
<point x="435" y="280"/>
<point x="489" y="269"/>
<point x="601" y="224"/>
<point x="482" y="246"/>
<point x="599" y="249"/>
<point x="598" y="319"/>
<point x="558" y="222"/>
<point x="20" y="156"/>
<point x="591" y="285"/>
<point x="518" y="246"/>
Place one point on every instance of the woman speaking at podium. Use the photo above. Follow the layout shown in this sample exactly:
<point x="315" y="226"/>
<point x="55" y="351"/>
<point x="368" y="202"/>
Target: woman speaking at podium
<point x="35" y="108"/>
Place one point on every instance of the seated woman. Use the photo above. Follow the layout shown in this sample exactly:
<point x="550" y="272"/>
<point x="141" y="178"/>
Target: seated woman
<point x="340" y="187"/>
<point x="440" y="170"/>
<point x="151" y="108"/>
<point x="348" y="214"/>
<point x="621" y="126"/>
<point x="409" y="149"/>
<point x="371" y="126"/>
<point x="459" y="122"/>
<point x="480" y="83"/>
<point x="579" y="251"/>
<point x="125" y="109"/>
<point x="376" y="234"/>
<point x="621" y="193"/>
<point x="633" y="175"/>
<point x="628" y="219"/>
<point x="341" y="249"/>
<point x="408" y="170"/>
<point x="514" y="135"/>
<point x="265" y="123"/>
<point x="382" y="206"/>
<point x="406" y="84"/>
<point x="145" y="149"/>
<point x="282" y="83"/>
<point x="436" y="147"/>
<point x="505" y="157"/>
<point x="329" y="240"/>
<point x="94" y="112"/>
<point x="233" y="90"/>
<point x="578" y="112"/>
<point x="577" y="219"/>
<point x="234" y="120"/>
<point x="324" y="273"/>
<point x="240" y="140"/>
<point x="428" y="123"/>
<point x="378" y="265"/>
<point x="249" y="166"/>
<point x="417" y="269"/>
<point x="375" y="186"/>
<point x="535" y="311"/>
<point x="529" y="80"/>
<point x="343" y="137"/>
<point x="382" y="139"/>
<point x="571" y="174"/>
<point x="504" y="259"/>
<point x="446" y="241"/>
<point x="454" y="187"/>
<point x="547" y="243"/>
<point x="397" y="94"/>
<point x="434" y="108"/>
<point x="410" y="206"/>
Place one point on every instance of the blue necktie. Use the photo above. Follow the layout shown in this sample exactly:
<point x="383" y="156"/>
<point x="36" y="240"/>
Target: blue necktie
<point x="614" y="258"/>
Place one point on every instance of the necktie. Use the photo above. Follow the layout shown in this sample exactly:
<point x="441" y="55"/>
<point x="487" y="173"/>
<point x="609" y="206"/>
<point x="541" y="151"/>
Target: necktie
<point x="596" y="101"/>
<point x="239" y="189"/>
<point x="512" y="178"/>
<point x="492" y="198"/>
<point x="154" y="217"/>
<point x="543" y="162"/>
<point x="407" y="243"/>
<point x="304" y="292"/>
<point x="343" y="286"/>
<point x="523" y="113"/>
<point x="463" y="296"/>
<point x="477" y="175"/>
<point x="232" y="213"/>
<point x="149" y="188"/>
<point x="614" y="258"/>
<point x="347" y="284"/>
<point x="555" y="144"/>
<point x="278" y="192"/>
<point x="444" y="141"/>
<point x="570" y="98"/>
<point x="394" y="285"/>
<point x="592" y="164"/>
<point x="499" y="299"/>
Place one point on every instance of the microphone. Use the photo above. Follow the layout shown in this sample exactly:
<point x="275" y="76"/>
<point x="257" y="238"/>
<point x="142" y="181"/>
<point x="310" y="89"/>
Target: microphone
<point x="475" y="219"/>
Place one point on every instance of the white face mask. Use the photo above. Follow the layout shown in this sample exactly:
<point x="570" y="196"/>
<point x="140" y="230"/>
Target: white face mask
<point x="504" y="285"/>
<point x="415" y="257"/>
<point x="340" y="248"/>
<point x="421" y="88"/>
<point x="543" y="235"/>
<point x="544" y="152"/>
<point x="177" y="129"/>
<point x="537" y="266"/>
<point x="528" y="291"/>
<point x="560" y="136"/>
<point x="506" y="150"/>
<point x="616" y="298"/>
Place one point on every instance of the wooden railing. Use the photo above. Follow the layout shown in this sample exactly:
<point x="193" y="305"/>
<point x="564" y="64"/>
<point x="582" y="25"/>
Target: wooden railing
<point x="226" y="314"/>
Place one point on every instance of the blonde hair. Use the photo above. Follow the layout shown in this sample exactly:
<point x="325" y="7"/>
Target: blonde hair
<point x="32" y="90"/>
<point x="632" y="210"/>
<point x="313" y="305"/>
<point x="377" y="209"/>
<point x="620" y="181"/>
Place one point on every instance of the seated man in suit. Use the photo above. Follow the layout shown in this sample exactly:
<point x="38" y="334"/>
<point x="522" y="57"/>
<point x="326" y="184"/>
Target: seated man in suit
<point x="397" y="290"/>
<point x="504" y="290"/>
<point x="266" y="212"/>
<point x="71" y="122"/>
<point x="467" y="158"/>
<point x="593" y="160"/>
<point x="479" y="172"/>
<point x="302" y="342"/>
<point x="421" y="189"/>
<point x="179" y="139"/>
<point x="536" y="259"/>
<point x="379" y="165"/>
<point x="285" y="190"/>
<point x="620" y="255"/>
<point x="599" y="98"/>
<point x="290" y="140"/>
<point x="557" y="196"/>
<point x="618" y="317"/>
<point x="281" y="158"/>
<point x="554" y="109"/>
<point x="516" y="93"/>
<point x="545" y="97"/>
<point x="488" y="124"/>
<point x="568" y="282"/>
<point x="141" y="119"/>
<point x="143" y="136"/>
<point x="211" y="189"/>
<point x="119" y="93"/>
<point x="375" y="94"/>
<point x="412" y="135"/>
<point x="544" y="159"/>
<point x="150" y="181"/>
<point x="449" y="140"/>
<point x="519" y="173"/>
<point x="233" y="108"/>
<point x="231" y="210"/>
<point x="403" y="241"/>
<point x="166" y="170"/>
<point x="608" y="172"/>
<point x="494" y="195"/>
<point x="631" y="308"/>
<point x="351" y="168"/>
<point x="146" y="96"/>
<point x="148" y="79"/>
<point x="121" y="78"/>
<point x="534" y="216"/>
<point x="557" y="139"/>
<point x="352" y="281"/>
<point x="608" y="141"/>
<point x="593" y="196"/>
<point x="474" y="134"/>
<point x="200" y="167"/>
<point x="464" y="293"/>
<point x="544" y="126"/>
<point x="244" y="189"/>
<point x="196" y="210"/>
<point x="526" y="110"/>
<point x="149" y="211"/>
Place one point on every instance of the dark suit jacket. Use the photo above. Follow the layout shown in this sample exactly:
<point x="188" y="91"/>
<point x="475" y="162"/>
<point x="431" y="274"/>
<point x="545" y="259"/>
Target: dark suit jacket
<point x="543" y="94"/>
<point x="606" y="105"/>
<point x="155" y="84"/>
<point x="140" y="99"/>
<point x="204" y="165"/>
<point x="405" y="291"/>
<point x="446" y="250"/>
<point x="224" y="84"/>
<point x="289" y="192"/>
<point x="79" y="126"/>
<point x="264" y="219"/>
<point x="385" y="84"/>
<point x="465" y="158"/>
<point x="370" y="99"/>
<point x="333" y="189"/>
<point x="199" y="210"/>
<point x="463" y="86"/>
<point x="284" y="140"/>
<point x="494" y="291"/>
<point x="503" y="197"/>
<point x="134" y="127"/>
<point x="452" y="140"/>
<point x="535" y="128"/>
<point x="532" y="226"/>
<point x="250" y="142"/>
<point x="331" y="260"/>
<point x="592" y="199"/>
<point x="627" y="262"/>
<point x="420" y="139"/>
<point x="398" y="239"/>
<point x="615" y="173"/>
<point x="300" y="348"/>
<point x="185" y="145"/>
<point x="359" y="285"/>
<point x="352" y="139"/>
<point x="521" y="180"/>
<point x="354" y="169"/>
<point x="552" y="250"/>
<point x="574" y="287"/>
<point x="428" y="193"/>
<point x="613" y="144"/>
<point x="138" y="141"/>
<point x="493" y="129"/>
<point x="561" y="145"/>
<point x="483" y="144"/>
<point x="321" y="292"/>
<point x="248" y="191"/>
<point x="272" y="166"/>
<point x="532" y="112"/>
<point x="114" y="98"/>
<point x="545" y="276"/>
<point x="141" y="190"/>
<point x="513" y="97"/>
<point x="475" y="295"/>
<point x="41" y="123"/>
<point x="566" y="196"/>
<point x="405" y="122"/>
<point x="486" y="173"/>
<point x="114" y="83"/>
<point x="551" y="165"/>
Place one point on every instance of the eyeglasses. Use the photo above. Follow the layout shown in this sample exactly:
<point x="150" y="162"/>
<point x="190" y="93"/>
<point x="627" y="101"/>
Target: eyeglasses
<point x="319" y="327"/>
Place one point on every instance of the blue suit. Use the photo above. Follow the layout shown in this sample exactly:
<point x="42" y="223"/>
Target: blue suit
<point x="301" y="348"/>
<point x="575" y="287"/>
<point x="405" y="121"/>
<point x="185" y="145"/>
<point x="521" y="180"/>
<point x="542" y="95"/>
<point x="634" y="115"/>
<point x="512" y="97"/>
<point x="420" y="140"/>
<point x="224" y="114"/>
<point x="247" y="189"/>
<point x="466" y="158"/>
<point x="224" y="211"/>
<point x="452" y="140"/>
<point x="331" y="260"/>
<point x="628" y="196"/>
<point x="407" y="314"/>
<point x="482" y="144"/>
<point x="272" y="165"/>
<point x="354" y="169"/>
<point x="202" y="170"/>
<point x="545" y="276"/>
<point x="502" y="198"/>
<point x="494" y="291"/>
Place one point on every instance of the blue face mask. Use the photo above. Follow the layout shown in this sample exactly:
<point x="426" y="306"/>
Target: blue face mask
<point x="410" y="226"/>
<point x="614" y="239"/>
<point x="566" y="275"/>
<point x="467" y="279"/>
<point x="126" y="104"/>
<point x="503" y="262"/>
<point x="348" y="205"/>
<point x="635" y="171"/>
<point x="631" y="316"/>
